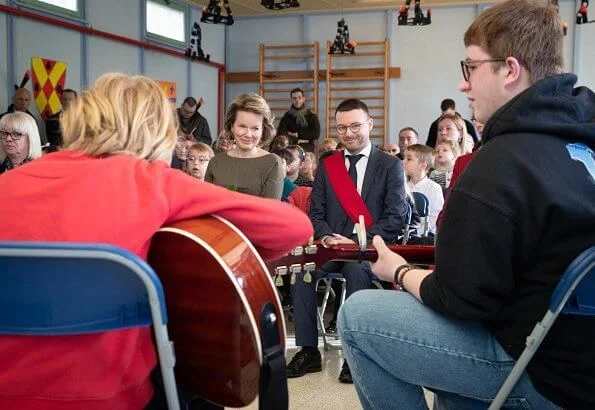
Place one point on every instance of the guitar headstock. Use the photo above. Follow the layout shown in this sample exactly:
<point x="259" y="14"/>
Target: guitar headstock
<point x="296" y="261"/>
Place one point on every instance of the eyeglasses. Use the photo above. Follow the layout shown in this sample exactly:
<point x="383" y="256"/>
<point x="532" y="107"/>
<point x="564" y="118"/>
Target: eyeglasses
<point x="14" y="135"/>
<point x="201" y="160"/>
<point x="355" y="127"/>
<point x="467" y="68"/>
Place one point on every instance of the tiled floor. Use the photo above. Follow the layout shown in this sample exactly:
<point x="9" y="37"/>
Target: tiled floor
<point x="320" y="390"/>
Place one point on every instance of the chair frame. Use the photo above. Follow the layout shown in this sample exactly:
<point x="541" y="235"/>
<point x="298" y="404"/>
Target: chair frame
<point x="87" y="253"/>
<point x="423" y="210"/>
<point x="563" y="300"/>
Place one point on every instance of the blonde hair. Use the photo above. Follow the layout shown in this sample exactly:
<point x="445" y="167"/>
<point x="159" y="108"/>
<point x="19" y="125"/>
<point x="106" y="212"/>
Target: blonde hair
<point x="423" y="153"/>
<point x="121" y="114"/>
<point x="529" y="30"/>
<point x="452" y="146"/>
<point x="23" y="123"/>
<point x="202" y="147"/>
<point x="329" y="142"/>
<point x="255" y="104"/>
<point x="461" y="126"/>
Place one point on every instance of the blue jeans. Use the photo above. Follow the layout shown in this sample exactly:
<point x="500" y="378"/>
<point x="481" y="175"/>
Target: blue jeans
<point x="395" y="345"/>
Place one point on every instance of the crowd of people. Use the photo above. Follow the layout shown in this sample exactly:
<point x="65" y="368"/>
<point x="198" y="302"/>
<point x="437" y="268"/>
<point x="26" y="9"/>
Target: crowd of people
<point x="508" y="210"/>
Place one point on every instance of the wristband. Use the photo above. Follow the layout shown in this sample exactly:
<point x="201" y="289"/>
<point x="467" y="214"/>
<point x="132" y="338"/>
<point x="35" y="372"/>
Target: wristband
<point x="400" y="274"/>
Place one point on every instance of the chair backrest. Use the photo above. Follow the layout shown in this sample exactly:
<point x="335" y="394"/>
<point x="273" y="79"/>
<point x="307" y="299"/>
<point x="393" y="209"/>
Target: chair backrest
<point x="69" y="288"/>
<point x="575" y="294"/>
<point x="421" y="203"/>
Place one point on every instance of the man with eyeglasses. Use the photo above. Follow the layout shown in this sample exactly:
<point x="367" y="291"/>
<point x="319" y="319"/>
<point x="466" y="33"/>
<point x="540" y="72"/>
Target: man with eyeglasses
<point x="360" y="180"/>
<point x="522" y="210"/>
<point x="192" y="123"/>
<point x="300" y="124"/>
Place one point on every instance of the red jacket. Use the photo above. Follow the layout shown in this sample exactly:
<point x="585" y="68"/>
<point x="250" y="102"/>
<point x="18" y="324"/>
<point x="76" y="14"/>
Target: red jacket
<point x="460" y="165"/>
<point x="119" y="200"/>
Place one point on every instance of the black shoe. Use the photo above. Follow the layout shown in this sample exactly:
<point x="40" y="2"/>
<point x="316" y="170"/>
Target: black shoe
<point x="304" y="362"/>
<point x="345" y="375"/>
<point x="332" y="327"/>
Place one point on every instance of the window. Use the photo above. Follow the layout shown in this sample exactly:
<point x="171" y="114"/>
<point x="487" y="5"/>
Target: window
<point x="70" y="8"/>
<point x="166" y="22"/>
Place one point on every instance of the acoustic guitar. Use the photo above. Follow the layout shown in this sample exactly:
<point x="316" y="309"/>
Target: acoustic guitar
<point x="216" y="285"/>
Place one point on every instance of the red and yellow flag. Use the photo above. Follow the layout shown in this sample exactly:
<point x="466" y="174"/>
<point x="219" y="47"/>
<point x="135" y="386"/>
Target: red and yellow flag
<point x="48" y="77"/>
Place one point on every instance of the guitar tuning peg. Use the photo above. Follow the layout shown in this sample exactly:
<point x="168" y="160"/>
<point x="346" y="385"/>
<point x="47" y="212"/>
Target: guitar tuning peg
<point x="279" y="281"/>
<point x="292" y="280"/>
<point x="307" y="277"/>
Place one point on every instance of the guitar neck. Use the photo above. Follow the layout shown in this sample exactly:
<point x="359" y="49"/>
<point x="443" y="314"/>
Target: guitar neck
<point x="312" y="257"/>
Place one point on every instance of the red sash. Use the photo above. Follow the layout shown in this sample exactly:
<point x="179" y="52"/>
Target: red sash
<point x="345" y="189"/>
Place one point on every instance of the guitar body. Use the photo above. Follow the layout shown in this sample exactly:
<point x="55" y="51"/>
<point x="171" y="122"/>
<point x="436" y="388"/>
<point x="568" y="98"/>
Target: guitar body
<point x="215" y="285"/>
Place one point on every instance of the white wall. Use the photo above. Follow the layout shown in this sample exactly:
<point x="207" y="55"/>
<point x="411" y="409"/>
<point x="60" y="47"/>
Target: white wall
<point x="88" y="57"/>
<point x="428" y="56"/>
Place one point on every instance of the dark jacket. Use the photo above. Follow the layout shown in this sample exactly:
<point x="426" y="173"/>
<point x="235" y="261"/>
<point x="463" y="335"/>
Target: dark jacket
<point x="383" y="193"/>
<point x="311" y="132"/>
<point x="196" y="125"/>
<point x="53" y="132"/>
<point x="515" y="219"/>
<point x="433" y="133"/>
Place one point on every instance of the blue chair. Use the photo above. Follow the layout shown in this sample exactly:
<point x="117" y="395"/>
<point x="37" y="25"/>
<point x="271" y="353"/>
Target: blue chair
<point x="69" y="288"/>
<point x="574" y="295"/>
<point x="423" y="209"/>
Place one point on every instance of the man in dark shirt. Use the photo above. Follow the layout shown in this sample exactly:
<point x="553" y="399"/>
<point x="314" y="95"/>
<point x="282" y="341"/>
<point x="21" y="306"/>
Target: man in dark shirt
<point x="21" y="100"/>
<point x="299" y="123"/>
<point x="515" y="219"/>
<point x="192" y="123"/>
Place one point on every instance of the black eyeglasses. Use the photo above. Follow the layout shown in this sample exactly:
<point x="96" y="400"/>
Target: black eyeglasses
<point x="467" y="68"/>
<point x="355" y="127"/>
<point x="14" y="135"/>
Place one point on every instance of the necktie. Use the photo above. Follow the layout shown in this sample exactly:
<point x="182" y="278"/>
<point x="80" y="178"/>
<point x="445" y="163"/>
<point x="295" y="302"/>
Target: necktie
<point x="352" y="170"/>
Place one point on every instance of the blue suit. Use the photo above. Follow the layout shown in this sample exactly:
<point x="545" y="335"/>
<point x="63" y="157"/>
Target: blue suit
<point x="383" y="192"/>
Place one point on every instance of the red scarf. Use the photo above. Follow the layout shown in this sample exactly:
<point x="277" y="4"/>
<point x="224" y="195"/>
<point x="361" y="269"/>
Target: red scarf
<point x="345" y="189"/>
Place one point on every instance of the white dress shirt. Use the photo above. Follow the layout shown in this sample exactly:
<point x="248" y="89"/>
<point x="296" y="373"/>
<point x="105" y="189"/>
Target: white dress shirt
<point x="361" y="165"/>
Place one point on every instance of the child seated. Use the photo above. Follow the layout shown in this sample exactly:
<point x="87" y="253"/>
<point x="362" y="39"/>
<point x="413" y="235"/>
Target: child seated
<point x="197" y="160"/>
<point x="446" y="155"/>
<point x="418" y="160"/>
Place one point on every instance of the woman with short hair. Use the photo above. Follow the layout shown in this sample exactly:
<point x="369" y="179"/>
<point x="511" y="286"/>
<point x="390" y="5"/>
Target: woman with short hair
<point x="248" y="168"/>
<point x="20" y="140"/>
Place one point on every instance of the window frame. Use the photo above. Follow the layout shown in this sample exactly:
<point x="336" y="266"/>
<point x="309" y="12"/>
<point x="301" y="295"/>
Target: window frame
<point x="56" y="10"/>
<point x="184" y="8"/>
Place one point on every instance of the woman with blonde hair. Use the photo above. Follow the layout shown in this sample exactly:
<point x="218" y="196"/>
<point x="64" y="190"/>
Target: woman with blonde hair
<point x="112" y="183"/>
<point x="452" y="127"/>
<point x="20" y="140"/>
<point x="247" y="167"/>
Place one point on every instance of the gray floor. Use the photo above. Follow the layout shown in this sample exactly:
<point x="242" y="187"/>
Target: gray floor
<point x="321" y="390"/>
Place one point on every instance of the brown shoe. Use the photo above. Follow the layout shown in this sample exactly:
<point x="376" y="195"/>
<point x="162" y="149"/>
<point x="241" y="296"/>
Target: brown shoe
<point x="345" y="375"/>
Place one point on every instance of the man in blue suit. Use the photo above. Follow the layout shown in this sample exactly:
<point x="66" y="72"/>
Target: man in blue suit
<point x="378" y="179"/>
